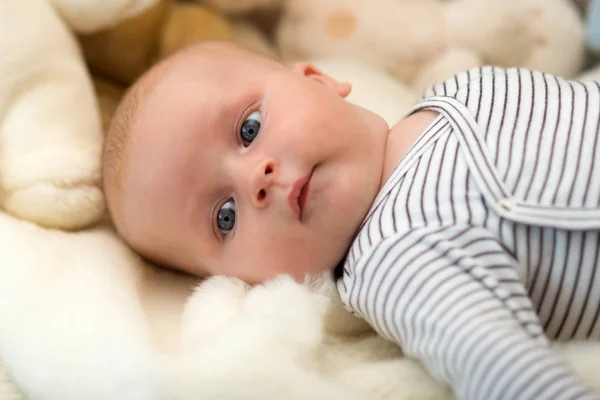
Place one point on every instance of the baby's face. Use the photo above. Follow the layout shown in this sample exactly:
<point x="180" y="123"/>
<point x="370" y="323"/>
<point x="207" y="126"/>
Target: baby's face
<point x="240" y="166"/>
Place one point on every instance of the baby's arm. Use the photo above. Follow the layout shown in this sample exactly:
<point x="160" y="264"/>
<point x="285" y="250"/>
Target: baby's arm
<point x="452" y="297"/>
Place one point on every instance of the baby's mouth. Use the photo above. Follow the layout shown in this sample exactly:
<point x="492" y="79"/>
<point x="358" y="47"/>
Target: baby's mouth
<point x="304" y="195"/>
<point x="299" y="195"/>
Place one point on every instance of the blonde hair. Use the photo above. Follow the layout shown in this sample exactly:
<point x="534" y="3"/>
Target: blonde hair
<point x="116" y="140"/>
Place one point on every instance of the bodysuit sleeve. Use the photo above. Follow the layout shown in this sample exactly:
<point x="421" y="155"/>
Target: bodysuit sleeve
<point x="452" y="297"/>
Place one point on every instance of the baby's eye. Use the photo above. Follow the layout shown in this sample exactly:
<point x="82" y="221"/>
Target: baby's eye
<point x="226" y="217"/>
<point x="250" y="128"/>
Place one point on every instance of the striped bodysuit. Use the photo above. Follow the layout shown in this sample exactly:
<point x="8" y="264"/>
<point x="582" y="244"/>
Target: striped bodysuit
<point x="485" y="241"/>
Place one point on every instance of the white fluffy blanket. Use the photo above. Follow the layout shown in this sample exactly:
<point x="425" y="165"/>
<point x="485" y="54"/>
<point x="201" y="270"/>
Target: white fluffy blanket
<point x="84" y="318"/>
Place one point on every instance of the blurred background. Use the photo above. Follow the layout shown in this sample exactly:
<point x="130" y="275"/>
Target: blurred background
<point x="390" y="50"/>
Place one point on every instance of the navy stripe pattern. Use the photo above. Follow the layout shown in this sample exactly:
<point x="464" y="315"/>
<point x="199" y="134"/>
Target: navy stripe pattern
<point x="484" y="242"/>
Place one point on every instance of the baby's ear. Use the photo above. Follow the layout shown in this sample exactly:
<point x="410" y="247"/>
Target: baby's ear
<point x="311" y="72"/>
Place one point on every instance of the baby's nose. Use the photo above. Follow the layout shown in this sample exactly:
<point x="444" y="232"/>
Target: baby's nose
<point x="262" y="181"/>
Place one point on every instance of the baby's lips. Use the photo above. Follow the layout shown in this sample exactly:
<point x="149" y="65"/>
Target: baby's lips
<point x="298" y="194"/>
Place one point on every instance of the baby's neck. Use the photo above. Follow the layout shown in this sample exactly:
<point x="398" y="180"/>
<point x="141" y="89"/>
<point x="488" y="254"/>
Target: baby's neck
<point x="402" y="136"/>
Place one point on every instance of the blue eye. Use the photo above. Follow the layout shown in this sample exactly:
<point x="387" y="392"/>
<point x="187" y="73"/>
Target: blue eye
<point x="226" y="217"/>
<point x="250" y="128"/>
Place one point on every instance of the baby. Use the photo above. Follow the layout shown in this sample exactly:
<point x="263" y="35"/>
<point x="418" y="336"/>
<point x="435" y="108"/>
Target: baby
<point x="469" y="233"/>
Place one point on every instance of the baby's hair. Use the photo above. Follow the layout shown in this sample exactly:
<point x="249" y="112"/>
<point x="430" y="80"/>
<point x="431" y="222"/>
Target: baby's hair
<point x="116" y="140"/>
<point x="116" y="136"/>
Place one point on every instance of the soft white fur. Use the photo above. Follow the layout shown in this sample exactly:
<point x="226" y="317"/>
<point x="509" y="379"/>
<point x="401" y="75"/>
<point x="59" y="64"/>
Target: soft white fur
<point x="85" y="16"/>
<point x="50" y="131"/>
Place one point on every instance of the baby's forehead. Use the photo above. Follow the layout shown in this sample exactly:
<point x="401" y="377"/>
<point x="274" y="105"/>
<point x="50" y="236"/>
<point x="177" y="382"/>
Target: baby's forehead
<point x="206" y="81"/>
<point x="210" y="62"/>
<point x="218" y="63"/>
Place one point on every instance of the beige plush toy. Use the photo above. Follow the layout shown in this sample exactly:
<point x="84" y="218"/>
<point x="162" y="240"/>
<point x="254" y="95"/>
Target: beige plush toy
<point x="121" y="53"/>
<point x="591" y="74"/>
<point x="426" y="41"/>
<point x="243" y="6"/>
<point x="109" y="94"/>
<point x="248" y="33"/>
<point x="252" y="21"/>
<point x="50" y="132"/>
